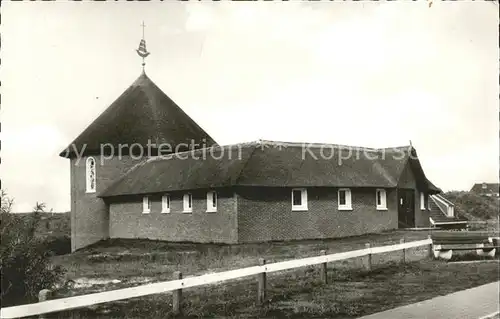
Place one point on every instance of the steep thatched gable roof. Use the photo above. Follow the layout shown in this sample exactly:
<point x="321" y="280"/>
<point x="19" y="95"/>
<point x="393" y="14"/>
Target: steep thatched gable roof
<point x="142" y="114"/>
<point x="270" y="164"/>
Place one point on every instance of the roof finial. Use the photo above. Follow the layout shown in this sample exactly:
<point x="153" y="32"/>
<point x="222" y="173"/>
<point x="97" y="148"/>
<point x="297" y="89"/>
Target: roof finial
<point x="142" y="51"/>
<point x="410" y="144"/>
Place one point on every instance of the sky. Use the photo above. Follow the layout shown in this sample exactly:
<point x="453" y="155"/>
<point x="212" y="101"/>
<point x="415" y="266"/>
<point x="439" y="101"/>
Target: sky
<point x="357" y="73"/>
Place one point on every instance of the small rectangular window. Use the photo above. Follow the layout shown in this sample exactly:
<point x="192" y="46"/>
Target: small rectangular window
<point x="344" y="199"/>
<point x="381" y="199"/>
<point x="165" y="204"/>
<point x="146" y="205"/>
<point x="211" y="201"/>
<point x="188" y="203"/>
<point x="299" y="199"/>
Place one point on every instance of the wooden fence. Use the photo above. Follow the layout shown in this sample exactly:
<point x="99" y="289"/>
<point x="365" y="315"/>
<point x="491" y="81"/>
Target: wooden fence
<point x="175" y="286"/>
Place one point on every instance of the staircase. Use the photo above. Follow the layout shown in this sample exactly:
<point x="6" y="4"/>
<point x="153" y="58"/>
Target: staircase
<point x="442" y="214"/>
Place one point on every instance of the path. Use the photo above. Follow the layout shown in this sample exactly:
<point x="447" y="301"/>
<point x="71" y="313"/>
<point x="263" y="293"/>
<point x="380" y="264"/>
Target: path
<point x="472" y="303"/>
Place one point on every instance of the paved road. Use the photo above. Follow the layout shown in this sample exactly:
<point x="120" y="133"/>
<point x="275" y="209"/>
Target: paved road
<point x="472" y="303"/>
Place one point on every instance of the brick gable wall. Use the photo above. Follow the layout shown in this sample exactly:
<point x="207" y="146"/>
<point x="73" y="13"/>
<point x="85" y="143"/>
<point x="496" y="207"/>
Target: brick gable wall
<point x="89" y="214"/>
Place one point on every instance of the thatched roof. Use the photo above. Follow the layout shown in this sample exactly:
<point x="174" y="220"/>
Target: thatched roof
<point x="142" y="114"/>
<point x="271" y="164"/>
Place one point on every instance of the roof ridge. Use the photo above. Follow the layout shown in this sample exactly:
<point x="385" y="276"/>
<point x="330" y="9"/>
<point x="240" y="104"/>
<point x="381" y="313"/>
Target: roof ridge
<point x="309" y="144"/>
<point x="170" y="155"/>
<point x="179" y="109"/>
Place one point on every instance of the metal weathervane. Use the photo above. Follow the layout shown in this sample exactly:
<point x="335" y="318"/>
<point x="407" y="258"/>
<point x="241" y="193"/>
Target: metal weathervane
<point x="142" y="51"/>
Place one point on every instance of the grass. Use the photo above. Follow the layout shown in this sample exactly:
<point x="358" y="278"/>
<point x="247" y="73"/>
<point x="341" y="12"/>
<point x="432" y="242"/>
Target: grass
<point x="293" y="294"/>
<point x="472" y="256"/>
<point x="129" y="260"/>
<point x="126" y="259"/>
<point x="351" y="293"/>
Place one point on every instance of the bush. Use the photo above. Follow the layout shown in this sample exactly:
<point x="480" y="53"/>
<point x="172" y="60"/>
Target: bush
<point x="59" y="245"/>
<point x="474" y="206"/>
<point x="25" y="266"/>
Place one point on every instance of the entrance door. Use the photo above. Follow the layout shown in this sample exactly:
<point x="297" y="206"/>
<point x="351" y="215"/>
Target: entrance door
<point x="406" y="208"/>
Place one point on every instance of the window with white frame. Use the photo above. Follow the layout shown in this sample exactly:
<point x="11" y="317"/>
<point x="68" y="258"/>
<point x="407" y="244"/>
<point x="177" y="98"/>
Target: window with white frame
<point x="344" y="199"/>
<point x="187" y="203"/>
<point x="90" y="173"/>
<point x="299" y="199"/>
<point x="211" y="202"/>
<point x="146" y="205"/>
<point x="381" y="199"/>
<point x="165" y="204"/>
<point x="422" y="200"/>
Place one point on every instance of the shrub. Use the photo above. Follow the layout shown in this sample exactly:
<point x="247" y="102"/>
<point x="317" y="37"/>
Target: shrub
<point x="25" y="267"/>
<point x="474" y="206"/>
<point x="58" y="245"/>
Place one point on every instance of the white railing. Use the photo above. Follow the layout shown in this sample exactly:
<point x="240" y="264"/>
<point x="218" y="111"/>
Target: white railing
<point x="175" y="285"/>
<point x="450" y="208"/>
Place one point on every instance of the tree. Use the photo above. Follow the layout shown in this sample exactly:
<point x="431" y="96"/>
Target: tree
<point x="25" y="268"/>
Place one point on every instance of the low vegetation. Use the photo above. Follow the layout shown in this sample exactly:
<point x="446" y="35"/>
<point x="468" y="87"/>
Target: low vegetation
<point x="473" y="257"/>
<point x="127" y="260"/>
<point x="25" y="260"/>
<point x="300" y="294"/>
<point x="473" y="206"/>
<point x="114" y="264"/>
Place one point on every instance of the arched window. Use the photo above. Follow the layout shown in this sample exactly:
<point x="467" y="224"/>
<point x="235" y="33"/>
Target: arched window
<point x="91" y="175"/>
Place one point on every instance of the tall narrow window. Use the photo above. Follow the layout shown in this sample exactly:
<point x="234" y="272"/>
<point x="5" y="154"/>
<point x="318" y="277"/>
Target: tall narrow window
<point x="381" y="199"/>
<point x="211" y="201"/>
<point x="188" y="203"/>
<point x="422" y="200"/>
<point x="299" y="199"/>
<point x="90" y="175"/>
<point x="344" y="199"/>
<point x="146" y="205"/>
<point x="165" y="204"/>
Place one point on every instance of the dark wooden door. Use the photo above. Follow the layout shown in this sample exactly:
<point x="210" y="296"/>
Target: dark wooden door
<point x="406" y="208"/>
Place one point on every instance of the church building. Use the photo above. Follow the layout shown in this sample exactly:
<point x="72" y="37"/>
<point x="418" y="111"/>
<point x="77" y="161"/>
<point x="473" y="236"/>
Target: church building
<point x="145" y="169"/>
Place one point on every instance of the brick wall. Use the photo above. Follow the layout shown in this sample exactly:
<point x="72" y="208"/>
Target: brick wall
<point x="265" y="214"/>
<point x="128" y="221"/>
<point x="421" y="216"/>
<point x="89" y="214"/>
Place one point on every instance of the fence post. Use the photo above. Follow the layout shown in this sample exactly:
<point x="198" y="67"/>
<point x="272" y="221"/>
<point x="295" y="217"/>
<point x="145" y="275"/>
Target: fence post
<point x="324" y="271"/>
<point x="261" y="278"/>
<point x="44" y="295"/>
<point x="368" y="259"/>
<point x="430" y="248"/>
<point x="177" y="295"/>
<point x="402" y="241"/>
